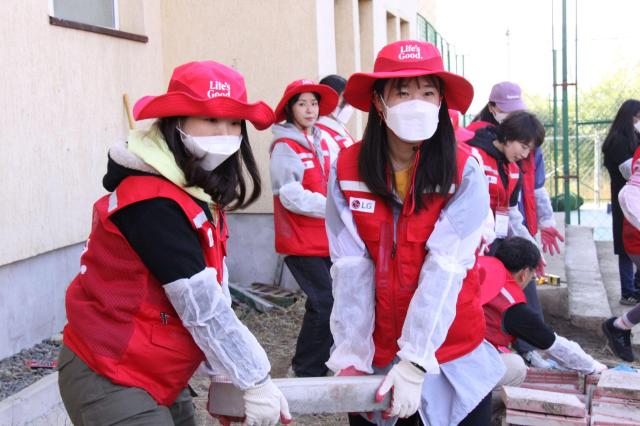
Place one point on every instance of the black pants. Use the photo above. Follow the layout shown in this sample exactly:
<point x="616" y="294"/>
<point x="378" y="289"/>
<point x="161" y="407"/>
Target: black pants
<point x="314" y="340"/>
<point x="480" y="416"/>
<point x="531" y="292"/>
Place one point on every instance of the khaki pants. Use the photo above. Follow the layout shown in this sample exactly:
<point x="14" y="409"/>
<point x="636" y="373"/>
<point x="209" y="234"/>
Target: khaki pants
<point x="516" y="370"/>
<point x="92" y="400"/>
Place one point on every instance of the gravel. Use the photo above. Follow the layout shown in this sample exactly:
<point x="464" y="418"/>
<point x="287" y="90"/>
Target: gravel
<point x="15" y="375"/>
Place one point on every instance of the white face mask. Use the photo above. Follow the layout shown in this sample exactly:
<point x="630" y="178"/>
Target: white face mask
<point x="637" y="126"/>
<point x="413" y="121"/>
<point x="211" y="150"/>
<point x="500" y="116"/>
<point x="344" y="114"/>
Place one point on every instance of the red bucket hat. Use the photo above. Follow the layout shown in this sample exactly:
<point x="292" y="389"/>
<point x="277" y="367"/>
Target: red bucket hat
<point x="491" y="276"/>
<point x="408" y="58"/>
<point x="328" y="97"/>
<point x="205" y="88"/>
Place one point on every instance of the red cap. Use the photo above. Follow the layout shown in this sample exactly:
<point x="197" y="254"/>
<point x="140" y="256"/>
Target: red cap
<point x="408" y="58"/>
<point x="462" y="134"/>
<point x="328" y="97"/>
<point x="205" y="88"/>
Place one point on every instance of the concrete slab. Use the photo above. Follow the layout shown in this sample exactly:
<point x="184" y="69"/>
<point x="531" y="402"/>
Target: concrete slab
<point x="588" y="303"/>
<point x="556" y="263"/>
<point x="603" y="420"/>
<point x="608" y="262"/>
<point x="554" y="300"/>
<point x="524" y="418"/>
<point x="538" y="401"/>
<point x="619" y="384"/>
<point x="307" y="395"/>
<point x="38" y="404"/>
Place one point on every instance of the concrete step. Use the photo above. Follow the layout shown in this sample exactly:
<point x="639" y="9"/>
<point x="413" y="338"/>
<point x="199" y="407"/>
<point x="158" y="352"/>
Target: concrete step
<point x="588" y="303"/>
<point x="608" y="262"/>
<point x="555" y="299"/>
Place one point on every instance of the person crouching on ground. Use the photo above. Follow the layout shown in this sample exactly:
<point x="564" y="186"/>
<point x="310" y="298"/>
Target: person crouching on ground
<point x="502" y="280"/>
<point x="151" y="301"/>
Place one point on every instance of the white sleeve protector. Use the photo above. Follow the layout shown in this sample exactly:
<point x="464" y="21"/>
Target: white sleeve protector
<point x="451" y="252"/>
<point x="287" y="172"/>
<point x="629" y="198"/>
<point x="225" y="341"/>
<point x="353" y="272"/>
<point x="298" y="200"/>
<point x="544" y="211"/>
<point x="625" y="168"/>
<point x="516" y="227"/>
<point x="570" y="355"/>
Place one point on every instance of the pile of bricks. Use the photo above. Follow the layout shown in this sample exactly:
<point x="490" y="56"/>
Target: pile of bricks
<point x="556" y="398"/>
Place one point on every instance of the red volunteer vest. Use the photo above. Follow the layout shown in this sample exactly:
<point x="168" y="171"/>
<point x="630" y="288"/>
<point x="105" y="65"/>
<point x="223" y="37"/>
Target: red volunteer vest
<point x="631" y="234"/>
<point x="297" y="234"/>
<point x="120" y="322"/>
<point x="475" y="125"/>
<point x="528" y="168"/>
<point x="399" y="260"/>
<point x="342" y="141"/>
<point x="500" y="195"/>
<point x="501" y="292"/>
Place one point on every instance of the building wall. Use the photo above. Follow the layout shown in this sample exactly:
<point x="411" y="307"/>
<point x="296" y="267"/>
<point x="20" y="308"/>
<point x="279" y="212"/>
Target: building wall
<point x="62" y="108"/>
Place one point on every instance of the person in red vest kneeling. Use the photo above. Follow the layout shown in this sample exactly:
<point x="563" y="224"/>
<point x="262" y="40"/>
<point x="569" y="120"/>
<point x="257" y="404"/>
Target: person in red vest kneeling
<point x="151" y="301"/>
<point x="502" y="280"/>
<point x="405" y="211"/>
<point x="299" y="171"/>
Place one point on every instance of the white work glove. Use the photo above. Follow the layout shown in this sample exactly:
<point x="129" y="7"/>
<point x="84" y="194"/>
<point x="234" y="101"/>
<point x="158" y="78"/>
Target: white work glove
<point x="406" y="381"/>
<point x="264" y="405"/>
<point x="599" y="367"/>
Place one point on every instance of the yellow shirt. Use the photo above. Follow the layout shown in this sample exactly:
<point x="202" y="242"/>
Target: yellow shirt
<point x="403" y="181"/>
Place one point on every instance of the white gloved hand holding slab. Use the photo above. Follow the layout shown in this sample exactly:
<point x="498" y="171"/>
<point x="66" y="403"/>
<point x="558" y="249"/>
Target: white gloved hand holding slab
<point x="265" y="405"/>
<point x="405" y="381"/>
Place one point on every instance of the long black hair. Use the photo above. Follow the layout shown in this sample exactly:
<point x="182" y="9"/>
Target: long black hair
<point x="436" y="168"/>
<point x="622" y="129"/>
<point x="225" y="184"/>
<point x="485" y="114"/>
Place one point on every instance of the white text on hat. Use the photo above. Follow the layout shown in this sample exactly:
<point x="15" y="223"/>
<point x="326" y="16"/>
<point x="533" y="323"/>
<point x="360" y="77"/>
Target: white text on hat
<point x="410" y="51"/>
<point x="219" y="88"/>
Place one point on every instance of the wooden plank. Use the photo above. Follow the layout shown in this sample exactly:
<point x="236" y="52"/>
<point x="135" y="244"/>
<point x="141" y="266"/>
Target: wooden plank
<point x="307" y="395"/>
<point x="538" y="401"/>
<point x="256" y="302"/>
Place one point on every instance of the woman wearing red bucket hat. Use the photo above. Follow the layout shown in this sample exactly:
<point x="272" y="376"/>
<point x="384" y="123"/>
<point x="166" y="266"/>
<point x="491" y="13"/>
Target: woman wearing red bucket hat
<point x="405" y="211"/>
<point x="299" y="171"/>
<point x="151" y="301"/>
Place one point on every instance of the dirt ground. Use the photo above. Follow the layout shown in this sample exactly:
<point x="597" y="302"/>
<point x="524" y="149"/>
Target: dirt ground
<point x="277" y="331"/>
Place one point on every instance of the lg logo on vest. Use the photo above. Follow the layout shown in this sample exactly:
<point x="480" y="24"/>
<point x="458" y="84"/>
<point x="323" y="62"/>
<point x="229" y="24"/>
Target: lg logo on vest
<point x="362" y="205"/>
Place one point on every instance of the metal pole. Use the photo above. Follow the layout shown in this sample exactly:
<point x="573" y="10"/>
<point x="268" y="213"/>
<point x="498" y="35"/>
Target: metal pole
<point x="565" y="117"/>
<point x="555" y="124"/>
<point x="575" y="88"/>
<point x="555" y="104"/>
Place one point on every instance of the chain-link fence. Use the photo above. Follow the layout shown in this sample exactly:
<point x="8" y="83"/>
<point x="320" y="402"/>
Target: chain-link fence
<point x="589" y="182"/>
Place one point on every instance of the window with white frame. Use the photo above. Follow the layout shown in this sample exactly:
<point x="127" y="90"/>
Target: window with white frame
<point x="101" y="13"/>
